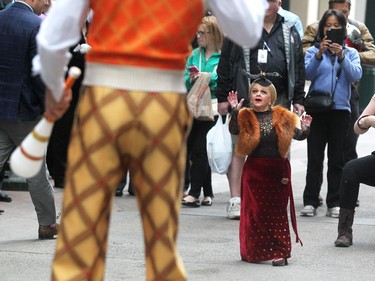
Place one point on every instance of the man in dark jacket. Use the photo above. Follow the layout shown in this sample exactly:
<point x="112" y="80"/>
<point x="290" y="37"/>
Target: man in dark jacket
<point x="22" y="99"/>
<point x="279" y="50"/>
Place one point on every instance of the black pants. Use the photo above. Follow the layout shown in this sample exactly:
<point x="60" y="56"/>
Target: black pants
<point x="327" y="128"/>
<point x="357" y="171"/>
<point x="352" y="137"/>
<point x="58" y="144"/>
<point x="200" y="171"/>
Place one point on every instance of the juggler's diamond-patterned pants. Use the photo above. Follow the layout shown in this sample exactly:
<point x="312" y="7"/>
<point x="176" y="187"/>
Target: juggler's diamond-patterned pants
<point x="117" y="130"/>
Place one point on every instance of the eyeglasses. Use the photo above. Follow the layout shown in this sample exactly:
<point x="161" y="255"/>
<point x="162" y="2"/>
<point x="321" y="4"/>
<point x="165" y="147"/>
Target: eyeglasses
<point x="201" y="33"/>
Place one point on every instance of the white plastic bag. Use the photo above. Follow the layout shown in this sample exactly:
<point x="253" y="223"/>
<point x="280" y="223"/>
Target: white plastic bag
<point x="219" y="147"/>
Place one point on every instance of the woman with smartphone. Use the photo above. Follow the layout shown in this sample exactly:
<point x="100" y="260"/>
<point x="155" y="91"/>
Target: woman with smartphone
<point x="331" y="67"/>
<point x="205" y="58"/>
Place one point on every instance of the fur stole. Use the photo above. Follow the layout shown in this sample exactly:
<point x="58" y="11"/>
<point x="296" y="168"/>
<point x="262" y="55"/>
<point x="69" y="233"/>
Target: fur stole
<point x="283" y="121"/>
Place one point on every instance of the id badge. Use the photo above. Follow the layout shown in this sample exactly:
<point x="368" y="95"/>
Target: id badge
<point x="262" y="56"/>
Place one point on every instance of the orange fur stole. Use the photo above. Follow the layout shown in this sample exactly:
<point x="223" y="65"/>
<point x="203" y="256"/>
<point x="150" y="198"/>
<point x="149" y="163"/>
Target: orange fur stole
<point x="283" y="120"/>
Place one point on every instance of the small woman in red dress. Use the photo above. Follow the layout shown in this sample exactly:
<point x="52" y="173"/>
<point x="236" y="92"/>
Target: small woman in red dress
<point x="265" y="135"/>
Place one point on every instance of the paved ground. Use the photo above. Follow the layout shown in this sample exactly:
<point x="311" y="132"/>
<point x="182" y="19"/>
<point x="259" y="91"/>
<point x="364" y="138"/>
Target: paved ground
<point x="208" y="242"/>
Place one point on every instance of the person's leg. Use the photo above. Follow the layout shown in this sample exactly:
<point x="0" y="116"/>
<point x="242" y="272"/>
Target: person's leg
<point x="160" y="152"/>
<point x="188" y="163"/>
<point x="234" y="178"/>
<point x="192" y="140"/>
<point x="42" y="195"/>
<point x="41" y="191"/>
<point x="6" y="147"/>
<point x="351" y="136"/>
<point x="94" y="169"/>
<point x="131" y="186"/>
<point x="93" y="172"/>
<point x="207" y="185"/>
<point x="234" y="175"/>
<point x="3" y="196"/>
<point x="200" y="169"/>
<point x="57" y="151"/>
<point x="338" y="124"/>
<point x="355" y="172"/>
<point x="120" y="187"/>
<point x="316" y="143"/>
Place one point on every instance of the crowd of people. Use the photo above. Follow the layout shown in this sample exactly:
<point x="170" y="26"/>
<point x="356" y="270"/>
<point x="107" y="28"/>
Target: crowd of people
<point x="106" y="128"/>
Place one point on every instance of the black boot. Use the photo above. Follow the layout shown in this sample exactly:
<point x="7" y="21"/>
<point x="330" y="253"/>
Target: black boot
<point x="345" y="236"/>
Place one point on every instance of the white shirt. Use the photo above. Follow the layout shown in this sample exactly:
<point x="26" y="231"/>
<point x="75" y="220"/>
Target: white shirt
<point x="240" y="20"/>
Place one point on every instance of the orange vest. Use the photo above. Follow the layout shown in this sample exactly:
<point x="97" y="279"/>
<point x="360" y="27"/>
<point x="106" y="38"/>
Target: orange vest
<point x="144" y="33"/>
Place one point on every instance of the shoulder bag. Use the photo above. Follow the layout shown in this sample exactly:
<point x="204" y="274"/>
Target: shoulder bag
<point x="319" y="101"/>
<point x="199" y="97"/>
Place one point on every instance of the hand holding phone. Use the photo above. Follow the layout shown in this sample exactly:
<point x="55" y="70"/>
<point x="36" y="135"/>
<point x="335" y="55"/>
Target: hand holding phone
<point x="193" y="69"/>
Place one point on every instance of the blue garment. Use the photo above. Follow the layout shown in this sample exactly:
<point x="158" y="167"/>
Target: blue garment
<point x="322" y="74"/>
<point x="198" y="58"/>
<point x="5" y="6"/>
<point x="21" y="94"/>
<point x="293" y="18"/>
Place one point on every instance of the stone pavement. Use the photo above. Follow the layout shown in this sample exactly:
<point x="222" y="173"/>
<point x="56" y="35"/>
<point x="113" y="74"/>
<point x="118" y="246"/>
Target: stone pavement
<point x="208" y="242"/>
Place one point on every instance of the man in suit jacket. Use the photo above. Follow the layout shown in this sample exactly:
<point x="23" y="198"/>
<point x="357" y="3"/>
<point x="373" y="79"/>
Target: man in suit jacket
<point x="22" y="99"/>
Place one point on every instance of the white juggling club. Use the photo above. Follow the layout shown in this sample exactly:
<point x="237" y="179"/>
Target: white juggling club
<point x="27" y="159"/>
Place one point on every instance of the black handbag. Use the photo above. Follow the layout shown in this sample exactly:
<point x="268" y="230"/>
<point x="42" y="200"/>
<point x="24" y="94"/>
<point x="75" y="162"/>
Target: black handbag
<point x="319" y="101"/>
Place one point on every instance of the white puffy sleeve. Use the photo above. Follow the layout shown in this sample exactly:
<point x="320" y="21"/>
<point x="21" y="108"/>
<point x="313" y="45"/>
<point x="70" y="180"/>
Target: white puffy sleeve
<point x="240" y="20"/>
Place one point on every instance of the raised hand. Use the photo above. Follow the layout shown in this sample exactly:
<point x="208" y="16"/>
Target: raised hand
<point x="306" y="121"/>
<point x="233" y="100"/>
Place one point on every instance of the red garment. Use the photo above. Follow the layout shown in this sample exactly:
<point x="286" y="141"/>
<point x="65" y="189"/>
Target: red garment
<point x="264" y="227"/>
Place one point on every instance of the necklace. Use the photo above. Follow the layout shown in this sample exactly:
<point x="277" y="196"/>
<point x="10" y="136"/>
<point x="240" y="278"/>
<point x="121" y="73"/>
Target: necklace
<point x="265" y="124"/>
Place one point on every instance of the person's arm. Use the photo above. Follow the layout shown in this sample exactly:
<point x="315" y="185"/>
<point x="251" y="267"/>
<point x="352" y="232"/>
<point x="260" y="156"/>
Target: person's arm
<point x="38" y="86"/>
<point x="224" y="83"/>
<point x="368" y="53"/>
<point x="367" y="118"/>
<point x="234" y="129"/>
<point x="303" y="133"/>
<point x="351" y="66"/>
<point x="188" y="73"/>
<point x="309" y="37"/>
<point x="54" y="42"/>
<point x="240" y="20"/>
<point x="312" y="63"/>
<point x="299" y="72"/>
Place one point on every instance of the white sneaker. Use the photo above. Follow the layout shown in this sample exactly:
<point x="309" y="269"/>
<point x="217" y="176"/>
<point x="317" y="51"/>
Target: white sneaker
<point x="234" y="208"/>
<point x="308" y="211"/>
<point x="333" y="212"/>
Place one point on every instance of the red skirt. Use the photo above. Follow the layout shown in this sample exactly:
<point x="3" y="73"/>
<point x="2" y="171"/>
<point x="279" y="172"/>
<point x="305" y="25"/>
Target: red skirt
<point x="264" y="228"/>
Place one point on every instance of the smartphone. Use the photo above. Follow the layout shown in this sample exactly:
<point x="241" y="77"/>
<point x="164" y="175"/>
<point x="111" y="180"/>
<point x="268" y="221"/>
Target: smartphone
<point x="336" y="35"/>
<point x="193" y="68"/>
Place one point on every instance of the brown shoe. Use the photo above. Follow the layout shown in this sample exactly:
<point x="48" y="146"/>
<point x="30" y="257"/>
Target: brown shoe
<point x="48" y="232"/>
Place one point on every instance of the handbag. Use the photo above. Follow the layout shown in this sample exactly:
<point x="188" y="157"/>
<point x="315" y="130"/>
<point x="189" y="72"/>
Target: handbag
<point x="320" y="101"/>
<point x="199" y="98"/>
<point x="219" y="146"/>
